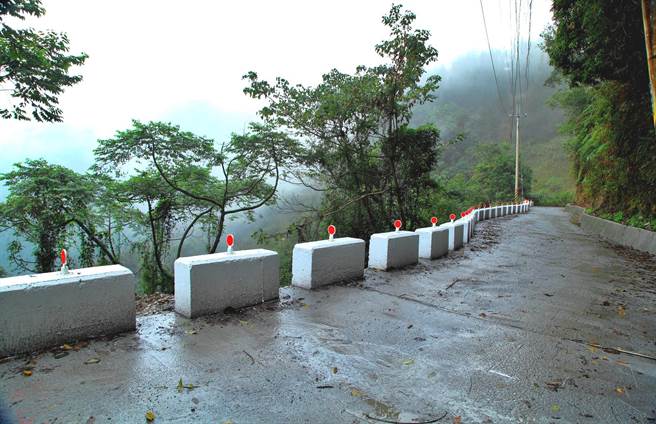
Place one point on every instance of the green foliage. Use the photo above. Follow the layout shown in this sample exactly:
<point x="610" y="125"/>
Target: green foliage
<point x="34" y="65"/>
<point x="597" y="40"/>
<point x="168" y="185"/>
<point x="494" y="174"/>
<point x="492" y="178"/>
<point x="468" y="105"/>
<point x="598" y="46"/>
<point x="360" y="152"/>
<point x="552" y="198"/>
<point x="44" y="201"/>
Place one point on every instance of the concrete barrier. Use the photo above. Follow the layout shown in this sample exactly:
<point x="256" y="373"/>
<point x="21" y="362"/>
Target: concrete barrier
<point x="433" y="242"/>
<point x="323" y="262"/>
<point x="208" y="284"/>
<point x="576" y="212"/>
<point x="465" y="230"/>
<point x="394" y="249"/>
<point x="458" y="236"/>
<point x="455" y="234"/>
<point x="43" y="310"/>
<point x="635" y="238"/>
<point x="488" y="213"/>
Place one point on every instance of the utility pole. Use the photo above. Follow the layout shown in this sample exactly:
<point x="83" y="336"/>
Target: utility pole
<point x="518" y="187"/>
<point x="649" y="21"/>
<point x="517" y="156"/>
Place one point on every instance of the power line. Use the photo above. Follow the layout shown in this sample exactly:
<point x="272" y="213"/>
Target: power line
<point x="528" y="47"/>
<point x="494" y="71"/>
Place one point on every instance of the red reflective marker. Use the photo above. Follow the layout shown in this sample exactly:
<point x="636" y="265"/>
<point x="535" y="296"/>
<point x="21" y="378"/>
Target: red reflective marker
<point x="462" y="214"/>
<point x="230" y="241"/>
<point x="397" y="224"/>
<point x="452" y="216"/>
<point x="331" y="231"/>
<point x="63" y="255"/>
<point x="433" y="220"/>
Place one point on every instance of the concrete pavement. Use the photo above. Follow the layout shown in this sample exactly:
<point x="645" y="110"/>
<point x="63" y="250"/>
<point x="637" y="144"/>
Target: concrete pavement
<point x="497" y="332"/>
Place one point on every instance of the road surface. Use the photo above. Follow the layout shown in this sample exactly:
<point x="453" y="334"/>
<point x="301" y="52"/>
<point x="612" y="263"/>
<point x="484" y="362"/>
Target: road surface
<point x="503" y="331"/>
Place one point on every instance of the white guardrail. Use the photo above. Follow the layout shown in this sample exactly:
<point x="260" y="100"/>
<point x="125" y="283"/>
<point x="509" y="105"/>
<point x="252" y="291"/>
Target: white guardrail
<point x="42" y="310"/>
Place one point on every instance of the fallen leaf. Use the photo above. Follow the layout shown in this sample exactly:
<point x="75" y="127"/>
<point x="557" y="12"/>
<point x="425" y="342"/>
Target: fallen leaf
<point x="619" y="390"/>
<point x="67" y="347"/>
<point x="191" y="332"/>
<point x="150" y="416"/>
<point x="482" y="314"/>
<point x="457" y="419"/>
<point x="92" y="361"/>
<point x="228" y="421"/>
<point x="243" y="322"/>
<point x="554" y="385"/>
<point x="555" y="408"/>
<point x="27" y="373"/>
<point x="356" y="393"/>
<point x="334" y="370"/>
<point x="621" y="311"/>
<point x="623" y="363"/>
<point x="60" y="355"/>
<point x="408" y="362"/>
<point x="182" y="386"/>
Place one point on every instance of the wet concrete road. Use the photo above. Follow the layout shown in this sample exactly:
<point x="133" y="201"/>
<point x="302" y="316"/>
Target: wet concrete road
<point x="497" y="332"/>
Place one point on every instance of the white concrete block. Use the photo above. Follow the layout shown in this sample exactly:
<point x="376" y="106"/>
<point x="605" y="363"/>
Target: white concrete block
<point x="487" y="213"/>
<point x="323" y="262"/>
<point x="393" y="250"/>
<point x="433" y="242"/>
<point x="458" y="240"/>
<point x="208" y="284"/>
<point x="42" y="310"/>
<point x="465" y="230"/>
<point x="455" y="234"/>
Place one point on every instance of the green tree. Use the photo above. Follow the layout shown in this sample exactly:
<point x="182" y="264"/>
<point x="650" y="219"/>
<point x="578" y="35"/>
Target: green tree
<point x="171" y="181"/>
<point x="34" y="65"/>
<point x="493" y="176"/>
<point x="359" y="150"/>
<point x="47" y="206"/>
<point x="598" y="47"/>
<point x="154" y="211"/>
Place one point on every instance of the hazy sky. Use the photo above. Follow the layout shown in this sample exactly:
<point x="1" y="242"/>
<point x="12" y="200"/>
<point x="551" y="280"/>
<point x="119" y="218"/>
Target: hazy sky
<point x="182" y="61"/>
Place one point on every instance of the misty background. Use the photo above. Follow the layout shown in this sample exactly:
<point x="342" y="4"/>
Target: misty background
<point x="184" y="66"/>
